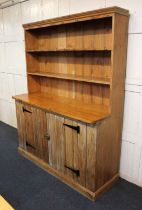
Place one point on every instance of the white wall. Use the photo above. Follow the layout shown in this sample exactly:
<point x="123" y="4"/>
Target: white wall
<point x="13" y="70"/>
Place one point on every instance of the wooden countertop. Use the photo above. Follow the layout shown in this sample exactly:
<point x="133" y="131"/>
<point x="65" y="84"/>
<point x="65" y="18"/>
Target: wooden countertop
<point x="88" y="113"/>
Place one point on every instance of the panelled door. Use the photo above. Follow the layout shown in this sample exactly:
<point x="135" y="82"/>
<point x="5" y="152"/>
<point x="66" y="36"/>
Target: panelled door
<point x="26" y="127"/>
<point x="75" y="150"/>
<point x="32" y="126"/>
<point x="56" y="141"/>
<point x="80" y="152"/>
<point x="67" y="147"/>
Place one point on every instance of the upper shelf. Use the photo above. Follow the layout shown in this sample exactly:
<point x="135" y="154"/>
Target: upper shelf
<point x="78" y="110"/>
<point x="65" y="50"/>
<point x="104" y="81"/>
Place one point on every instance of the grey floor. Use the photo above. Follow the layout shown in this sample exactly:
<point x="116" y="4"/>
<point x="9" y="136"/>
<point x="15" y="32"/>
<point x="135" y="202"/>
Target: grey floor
<point x="27" y="187"/>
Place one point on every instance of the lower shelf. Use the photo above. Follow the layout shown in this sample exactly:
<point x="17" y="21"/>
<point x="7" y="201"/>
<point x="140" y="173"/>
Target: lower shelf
<point x="89" y="194"/>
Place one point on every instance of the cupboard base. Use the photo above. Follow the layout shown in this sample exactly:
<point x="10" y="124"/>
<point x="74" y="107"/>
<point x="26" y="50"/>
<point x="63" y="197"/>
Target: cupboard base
<point x="89" y="194"/>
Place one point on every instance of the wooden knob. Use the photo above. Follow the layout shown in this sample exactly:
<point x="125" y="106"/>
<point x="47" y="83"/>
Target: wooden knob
<point x="47" y="136"/>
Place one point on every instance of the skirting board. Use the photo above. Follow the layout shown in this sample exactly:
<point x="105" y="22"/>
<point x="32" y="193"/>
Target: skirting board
<point x="89" y="194"/>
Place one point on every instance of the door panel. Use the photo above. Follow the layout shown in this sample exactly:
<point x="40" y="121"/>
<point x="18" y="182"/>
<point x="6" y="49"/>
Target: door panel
<point x="91" y="157"/>
<point x="82" y="154"/>
<point x="53" y="140"/>
<point x="69" y="148"/>
<point x="56" y="143"/>
<point x="75" y="151"/>
<point x="25" y="115"/>
<point x="20" y="125"/>
<point x="60" y="144"/>
<point x="41" y="134"/>
<point x="32" y="127"/>
<point x="29" y="121"/>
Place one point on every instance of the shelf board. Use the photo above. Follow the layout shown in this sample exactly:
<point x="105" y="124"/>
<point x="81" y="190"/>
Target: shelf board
<point x="78" y="110"/>
<point x="104" y="81"/>
<point x="65" y="50"/>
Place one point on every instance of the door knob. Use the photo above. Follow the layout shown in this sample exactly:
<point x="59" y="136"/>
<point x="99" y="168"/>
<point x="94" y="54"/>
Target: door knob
<point x="47" y="136"/>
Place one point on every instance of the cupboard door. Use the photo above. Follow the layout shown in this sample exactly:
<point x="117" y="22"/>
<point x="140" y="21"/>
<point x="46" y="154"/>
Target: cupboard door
<point x="32" y="127"/>
<point x="56" y="142"/>
<point x="67" y="147"/>
<point x="75" y="150"/>
<point x="26" y="125"/>
<point x="29" y="128"/>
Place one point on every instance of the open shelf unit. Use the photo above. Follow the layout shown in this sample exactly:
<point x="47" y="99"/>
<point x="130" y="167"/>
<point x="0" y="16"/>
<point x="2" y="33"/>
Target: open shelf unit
<point x="72" y="60"/>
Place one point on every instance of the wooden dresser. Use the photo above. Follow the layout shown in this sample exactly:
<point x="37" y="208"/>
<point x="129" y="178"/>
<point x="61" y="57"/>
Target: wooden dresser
<point x="70" y="121"/>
